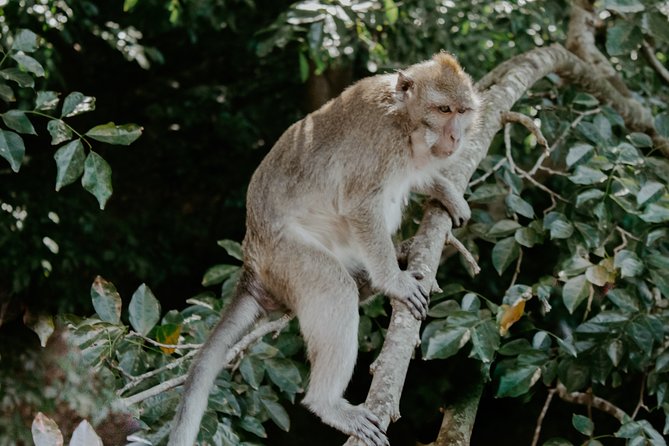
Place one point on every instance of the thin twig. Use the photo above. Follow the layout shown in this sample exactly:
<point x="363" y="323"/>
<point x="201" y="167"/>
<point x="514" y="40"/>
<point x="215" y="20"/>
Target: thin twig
<point x="468" y="256"/>
<point x="485" y="176"/>
<point x="649" y="52"/>
<point x="588" y="399"/>
<point x="572" y="126"/>
<point x="160" y="344"/>
<point x="624" y="235"/>
<point x="136" y="380"/>
<point x="517" y="271"/>
<point x="528" y="123"/>
<point x="542" y="415"/>
<point x="640" y="404"/>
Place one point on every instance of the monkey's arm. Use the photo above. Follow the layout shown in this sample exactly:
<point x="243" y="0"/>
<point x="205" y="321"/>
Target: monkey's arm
<point x="442" y="189"/>
<point x="381" y="262"/>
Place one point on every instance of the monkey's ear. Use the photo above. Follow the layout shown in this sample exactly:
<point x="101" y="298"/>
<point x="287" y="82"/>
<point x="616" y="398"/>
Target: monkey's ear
<point x="404" y="86"/>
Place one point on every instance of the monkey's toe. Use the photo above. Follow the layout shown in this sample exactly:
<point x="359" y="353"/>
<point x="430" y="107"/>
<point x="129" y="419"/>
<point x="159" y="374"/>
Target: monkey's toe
<point x="367" y="428"/>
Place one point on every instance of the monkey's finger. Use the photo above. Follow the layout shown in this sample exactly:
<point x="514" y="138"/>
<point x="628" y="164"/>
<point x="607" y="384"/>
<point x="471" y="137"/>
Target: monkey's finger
<point x="418" y="275"/>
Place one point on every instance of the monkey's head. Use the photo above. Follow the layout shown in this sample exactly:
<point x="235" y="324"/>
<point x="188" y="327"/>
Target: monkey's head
<point x="439" y="99"/>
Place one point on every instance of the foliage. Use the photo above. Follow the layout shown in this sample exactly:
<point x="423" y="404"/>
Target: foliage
<point x="572" y="239"/>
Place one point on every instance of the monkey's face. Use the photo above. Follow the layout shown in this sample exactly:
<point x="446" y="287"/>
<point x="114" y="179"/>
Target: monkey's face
<point x="447" y="121"/>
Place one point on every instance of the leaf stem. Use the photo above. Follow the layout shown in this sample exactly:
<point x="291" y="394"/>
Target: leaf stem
<point x="72" y="129"/>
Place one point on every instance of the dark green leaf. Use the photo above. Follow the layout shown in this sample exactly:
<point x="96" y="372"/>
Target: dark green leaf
<point x="558" y="225"/>
<point x="503" y="228"/>
<point x="583" y="424"/>
<point x="447" y="342"/>
<point x="76" y="103"/>
<point x="590" y="194"/>
<point x="658" y="26"/>
<point x="443" y="309"/>
<point x="23" y="79"/>
<point x="69" y="163"/>
<point x="111" y="133"/>
<point x="558" y="442"/>
<point x="585" y="99"/>
<point x="59" y="131"/>
<point x="144" y="310"/>
<point x="527" y="237"/>
<point x="218" y="273"/>
<point x="284" y="374"/>
<point x="25" y="40"/>
<point x="6" y="93"/>
<point x="640" y="139"/>
<point x="641" y="335"/>
<point x="628" y="154"/>
<point x="587" y="175"/>
<point x="224" y="401"/>
<point x="662" y="363"/>
<point x="29" y="64"/>
<point x="12" y="149"/>
<point x="615" y="351"/>
<point x="567" y="347"/>
<point x="504" y="253"/>
<point x="97" y="178"/>
<point x="487" y="193"/>
<point x="650" y="192"/>
<point x="106" y="300"/>
<point x="252" y="369"/>
<point x="253" y="425"/>
<point x="575" y="291"/>
<point x="471" y="302"/>
<point x="18" y="121"/>
<point x="277" y="413"/>
<point x="233" y="248"/>
<point x="519" y="206"/>
<point x="46" y="100"/>
<point x="541" y="341"/>
<point x="662" y="124"/>
<point x="622" y="38"/>
<point x="655" y="213"/>
<point x="485" y="341"/>
<point x="516" y="382"/>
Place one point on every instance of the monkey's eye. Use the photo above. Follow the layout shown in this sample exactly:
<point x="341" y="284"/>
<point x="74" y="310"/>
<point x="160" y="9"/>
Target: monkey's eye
<point x="463" y="110"/>
<point x="444" y="108"/>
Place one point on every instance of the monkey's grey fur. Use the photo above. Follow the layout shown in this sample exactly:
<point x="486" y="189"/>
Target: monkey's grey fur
<point x="321" y="210"/>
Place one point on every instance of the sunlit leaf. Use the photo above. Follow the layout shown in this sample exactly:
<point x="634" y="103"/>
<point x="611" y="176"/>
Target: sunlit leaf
<point x="46" y="100"/>
<point x="84" y="435"/>
<point x="233" y="248"/>
<point x="77" y="103"/>
<point x="168" y="334"/>
<point x="29" y="64"/>
<point x="25" y="40"/>
<point x="115" y="134"/>
<point x="575" y="291"/>
<point x="59" y="131"/>
<point x="42" y="324"/>
<point x="45" y="431"/>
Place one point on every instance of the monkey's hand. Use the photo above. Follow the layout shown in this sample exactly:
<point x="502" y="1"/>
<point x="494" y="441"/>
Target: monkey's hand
<point x="458" y="208"/>
<point x="406" y="287"/>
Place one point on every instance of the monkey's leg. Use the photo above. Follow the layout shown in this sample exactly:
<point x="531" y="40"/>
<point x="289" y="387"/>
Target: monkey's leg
<point x="325" y="299"/>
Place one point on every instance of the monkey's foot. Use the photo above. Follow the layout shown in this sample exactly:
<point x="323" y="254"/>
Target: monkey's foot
<point x="357" y="421"/>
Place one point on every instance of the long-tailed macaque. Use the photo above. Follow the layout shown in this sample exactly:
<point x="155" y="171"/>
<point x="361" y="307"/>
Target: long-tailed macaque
<point x="321" y="210"/>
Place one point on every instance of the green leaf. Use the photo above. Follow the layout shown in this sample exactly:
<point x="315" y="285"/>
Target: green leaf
<point x="59" y="131"/>
<point x="485" y="341"/>
<point x="558" y="442"/>
<point x="12" y="149"/>
<point x="516" y="382"/>
<point x="640" y="139"/>
<point x="558" y="225"/>
<point x="18" y="121"/>
<point x="217" y="274"/>
<point x="662" y="124"/>
<point x="233" y="248"/>
<point x="304" y="66"/>
<point x="443" y="309"/>
<point x="578" y="153"/>
<point x="503" y="228"/>
<point x="447" y="342"/>
<point x="527" y="237"/>
<point x="46" y="100"/>
<point x="128" y="5"/>
<point x="277" y="413"/>
<point x="253" y="425"/>
<point x="69" y="163"/>
<point x="585" y="99"/>
<point x="97" y="178"/>
<point x="622" y="38"/>
<point x="77" y="103"/>
<point x="519" y="206"/>
<point x="567" y="347"/>
<point x="25" y="40"/>
<point x="575" y="291"/>
<point x="284" y="374"/>
<point x="487" y="193"/>
<point x="658" y="26"/>
<point x="16" y="75"/>
<point x="6" y="93"/>
<point x="106" y="300"/>
<point x="504" y="253"/>
<point x="615" y="351"/>
<point x="629" y="263"/>
<point x="597" y="275"/>
<point x="624" y="6"/>
<point x="111" y="133"/>
<point x="650" y="192"/>
<point x="252" y="369"/>
<point x="587" y="175"/>
<point x="583" y="424"/>
<point x="588" y="195"/>
<point x="654" y="213"/>
<point x="29" y="64"/>
<point x="144" y="310"/>
<point x="224" y="401"/>
<point x="392" y="12"/>
<point x="45" y="431"/>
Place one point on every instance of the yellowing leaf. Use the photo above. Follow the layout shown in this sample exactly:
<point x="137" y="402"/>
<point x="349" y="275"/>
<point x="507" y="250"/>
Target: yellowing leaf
<point x="168" y="334"/>
<point x="511" y="315"/>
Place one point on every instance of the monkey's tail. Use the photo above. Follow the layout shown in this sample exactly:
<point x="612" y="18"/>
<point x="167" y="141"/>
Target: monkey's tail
<point x="236" y="321"/>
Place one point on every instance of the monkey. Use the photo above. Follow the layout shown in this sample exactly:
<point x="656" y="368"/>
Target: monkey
<point x="321" y="208"/>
